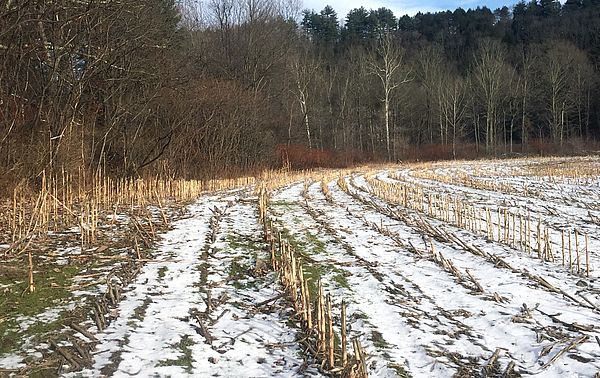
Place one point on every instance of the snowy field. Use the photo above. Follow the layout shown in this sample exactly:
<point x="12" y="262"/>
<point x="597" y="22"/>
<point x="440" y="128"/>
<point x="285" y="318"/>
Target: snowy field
<point x="462" y="269"/>
<point x="444" y="300"/>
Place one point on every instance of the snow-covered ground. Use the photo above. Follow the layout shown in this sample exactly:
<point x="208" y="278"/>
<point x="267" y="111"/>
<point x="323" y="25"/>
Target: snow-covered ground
<point x="425" y="296"/>
<point x="194" y="312"/>
<point x="432" y="321"/>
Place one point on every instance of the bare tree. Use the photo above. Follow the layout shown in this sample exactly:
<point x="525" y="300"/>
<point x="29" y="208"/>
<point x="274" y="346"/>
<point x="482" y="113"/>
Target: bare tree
<point x="289" y="9"/>
<point x="343" y="89"/>
<point x="330" y="75"/>
<point x="528" y="62"/>
<point x="387" y="63"/>
<point x="487" y="73"/>
<point x="583" y="80"/>
<point x="557" y="77"/>
<point x="304" y="67"/>
<point x="454" y="101"/>
<point x="430" y="71"/>
<point x="516" y="83"/>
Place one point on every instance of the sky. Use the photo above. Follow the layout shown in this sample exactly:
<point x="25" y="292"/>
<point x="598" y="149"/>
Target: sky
<point x="402" y="7"/>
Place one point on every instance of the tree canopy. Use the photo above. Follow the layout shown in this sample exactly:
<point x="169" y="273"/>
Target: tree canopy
<point x="198" y="88"/>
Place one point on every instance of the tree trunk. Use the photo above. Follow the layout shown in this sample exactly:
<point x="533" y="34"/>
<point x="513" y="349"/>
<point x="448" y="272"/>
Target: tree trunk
<point x="387" y="126"/>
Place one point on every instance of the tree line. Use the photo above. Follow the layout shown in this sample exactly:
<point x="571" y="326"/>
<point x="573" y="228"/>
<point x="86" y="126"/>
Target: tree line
<point x="494" y="82"/>
<point x="196" y="89"/>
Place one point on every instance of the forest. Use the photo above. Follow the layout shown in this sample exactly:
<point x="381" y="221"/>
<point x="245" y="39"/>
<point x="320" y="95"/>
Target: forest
<point x="253" y="188"/>
<point x="194" y="89"/>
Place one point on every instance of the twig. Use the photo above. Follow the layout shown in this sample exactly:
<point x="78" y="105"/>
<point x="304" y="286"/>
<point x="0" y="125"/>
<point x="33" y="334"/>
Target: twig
<point x="204" y="331"/>
<point x="569" y="346"/>
<point x="83" y="331"/>
<point x="270" y="300"/>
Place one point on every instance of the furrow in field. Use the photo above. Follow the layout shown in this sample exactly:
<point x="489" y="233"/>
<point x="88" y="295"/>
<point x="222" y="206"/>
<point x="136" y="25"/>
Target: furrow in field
<point x="579" y="291"/>
<point x="151" y="318"/>
<point x="193" y="311"/>
<point x="514" y="177"/>
<point x="411" y="325"/>
<point x="557" y="242"/>
<point x="498" y="323"/>
<point x="348" y="279"/>
<point x="559" y="216"/>
<point x="248" y="340"/>
<point x="587" y="289"/>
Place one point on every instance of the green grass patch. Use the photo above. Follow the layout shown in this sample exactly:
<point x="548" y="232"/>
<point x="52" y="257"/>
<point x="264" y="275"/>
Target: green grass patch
<point x="284" y="204"/>
<point x="400" y="370"/>
<point x="237" y="269"/>
<point x="307" y="243"/>
<point x="51" y="290"/>
<point x="10" y="338"/>
<point x="378" y="340"/>
<point x="238" y="242"/>
<point x="316" y="245"/>
<point x="162" y="272"/>
<point x="139" y="312"/>
<point x="313" y="273"/>
<point x="237" y="273"/>
<point x="242" y="264"/>
<point x="310" y="244"/>
<point x="185" y="360"/>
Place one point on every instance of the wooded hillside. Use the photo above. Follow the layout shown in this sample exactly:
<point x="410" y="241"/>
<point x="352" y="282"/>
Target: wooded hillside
<point x="196" y="89"/>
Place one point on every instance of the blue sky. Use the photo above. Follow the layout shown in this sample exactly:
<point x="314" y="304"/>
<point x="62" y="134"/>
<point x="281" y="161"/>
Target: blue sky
<point x="401" y="7"/>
